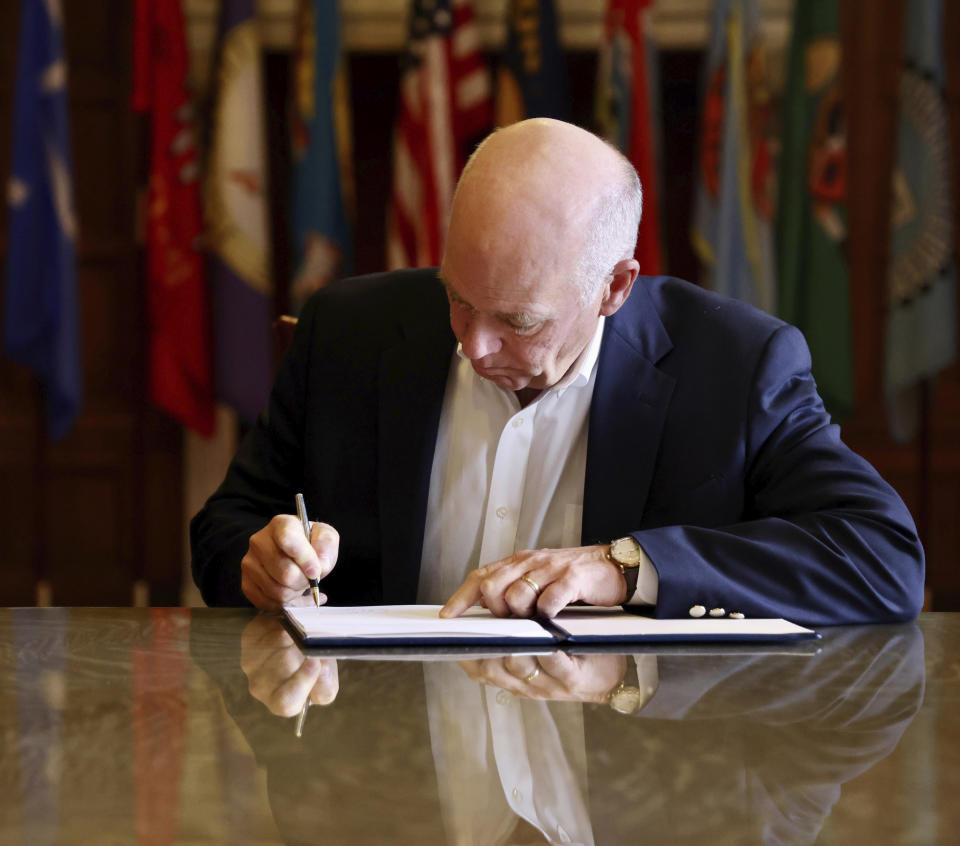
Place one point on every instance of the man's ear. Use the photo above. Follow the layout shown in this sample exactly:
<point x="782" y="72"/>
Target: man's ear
<point x="621" y="283"/>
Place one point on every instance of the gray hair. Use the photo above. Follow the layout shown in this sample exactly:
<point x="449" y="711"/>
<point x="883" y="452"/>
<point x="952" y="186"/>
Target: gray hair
<point x="613" y="236"/>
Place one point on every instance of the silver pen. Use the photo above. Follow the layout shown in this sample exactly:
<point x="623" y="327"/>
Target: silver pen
<point x="302" y="514"/>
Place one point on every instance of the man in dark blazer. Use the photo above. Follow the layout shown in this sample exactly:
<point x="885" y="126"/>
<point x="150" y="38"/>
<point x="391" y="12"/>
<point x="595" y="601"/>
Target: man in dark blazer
<point x="710" y="458"/>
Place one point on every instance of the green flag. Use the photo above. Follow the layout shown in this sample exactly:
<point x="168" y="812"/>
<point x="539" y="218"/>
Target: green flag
<point x="812" y="215"/>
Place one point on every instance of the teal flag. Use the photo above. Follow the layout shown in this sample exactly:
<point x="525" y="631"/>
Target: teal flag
<point x="921" y="336"/>
<point x="814" y="292"/>
<point x="320" y="130"/>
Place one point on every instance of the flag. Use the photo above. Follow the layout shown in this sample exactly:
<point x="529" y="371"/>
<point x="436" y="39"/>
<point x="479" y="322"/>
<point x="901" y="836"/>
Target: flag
<point x="811" y="218"/>
<point x="320" y="129"/>
<point x="732" y="225"/>
<point x="532" y="78"/>
<point x="237" y="217"/>
<point x="40" y="319"/>
<point x="180" y="365"/>
<point x="444" y="108"/>
<point x="921" y="331"/>
<point x="625" y="115"/>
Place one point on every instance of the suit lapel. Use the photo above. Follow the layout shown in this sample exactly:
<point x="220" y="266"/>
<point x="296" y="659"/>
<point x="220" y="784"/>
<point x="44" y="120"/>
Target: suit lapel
<point x="413" y="376"/>
<point x="627" y="413"/>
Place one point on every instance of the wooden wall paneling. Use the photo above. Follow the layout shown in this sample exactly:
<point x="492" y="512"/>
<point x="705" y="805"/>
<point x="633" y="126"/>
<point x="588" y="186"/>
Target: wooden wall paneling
<point x="872" y="46"/>
<point x="19" y="398"/>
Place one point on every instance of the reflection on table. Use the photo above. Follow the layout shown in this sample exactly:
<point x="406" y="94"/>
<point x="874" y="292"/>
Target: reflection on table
<point x="170" y="726"/>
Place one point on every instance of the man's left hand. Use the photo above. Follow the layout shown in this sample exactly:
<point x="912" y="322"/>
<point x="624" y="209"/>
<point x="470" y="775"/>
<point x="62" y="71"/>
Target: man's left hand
<point x="557" y="677"/>
<point x="541" y="582"/>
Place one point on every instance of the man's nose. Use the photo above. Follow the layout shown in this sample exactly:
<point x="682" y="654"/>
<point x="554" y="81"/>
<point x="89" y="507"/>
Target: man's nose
<point x="478" y="338"/>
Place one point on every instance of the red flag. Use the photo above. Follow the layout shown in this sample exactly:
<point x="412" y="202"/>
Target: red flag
<point x="178" y="307"/>
<point x="445" y="105"/>
<point x="624" y="113"/>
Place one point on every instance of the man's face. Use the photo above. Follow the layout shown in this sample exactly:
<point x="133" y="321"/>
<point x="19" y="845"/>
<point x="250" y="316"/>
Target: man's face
<point x="523" y="332"/>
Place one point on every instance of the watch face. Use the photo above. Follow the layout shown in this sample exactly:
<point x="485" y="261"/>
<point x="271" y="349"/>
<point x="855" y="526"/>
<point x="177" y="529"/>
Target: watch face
<point x="626" y="700"/>
<point x="626" y="551"/>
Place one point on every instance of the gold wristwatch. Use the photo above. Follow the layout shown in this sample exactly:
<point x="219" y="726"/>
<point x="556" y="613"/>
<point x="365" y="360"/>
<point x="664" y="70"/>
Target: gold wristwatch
<point x="627" y="554"/>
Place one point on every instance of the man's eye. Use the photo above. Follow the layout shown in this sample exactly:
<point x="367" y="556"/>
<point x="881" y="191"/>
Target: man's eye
<point x="525" y="328"/>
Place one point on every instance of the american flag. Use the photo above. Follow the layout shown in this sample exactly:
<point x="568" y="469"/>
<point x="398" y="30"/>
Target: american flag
<point x="445" y="105"/>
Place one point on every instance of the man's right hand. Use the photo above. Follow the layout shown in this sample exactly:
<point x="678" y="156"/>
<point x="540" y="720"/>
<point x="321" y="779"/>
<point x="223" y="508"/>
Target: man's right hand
<point x="279" y="562"/>
<point x="279" y="674"/>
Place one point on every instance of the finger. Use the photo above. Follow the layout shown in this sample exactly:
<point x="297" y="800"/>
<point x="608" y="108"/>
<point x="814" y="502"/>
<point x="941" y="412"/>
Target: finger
<point x="558" y="664"/>
<point x="497" y="578"/>
<point x="325" y="541"/>
<point x="281" y="666"/>
<point x="463" y="598"/>
<point x="535" y="684"/>
<point x="472" y="669"/>
<point x="288" y="697"/>
<point x="523" y="667"/>
<point x="271" y="568"/>
<point x="292" y="548"/>
<point x="262" y="590"/>
<point x="261" y="638"/>
<point x="557" y="595"/>
<point x="264" y="632"/>
<point x="327" y="685"/>
<point x="250" y="585"/>
<point x="521" y="597"/>
<point x="493" y="672"/>
<point x="305" y="598"/>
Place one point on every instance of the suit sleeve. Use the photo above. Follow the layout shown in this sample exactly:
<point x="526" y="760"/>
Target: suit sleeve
<point x="261" y="481"/>
<point x="822" y="539"/>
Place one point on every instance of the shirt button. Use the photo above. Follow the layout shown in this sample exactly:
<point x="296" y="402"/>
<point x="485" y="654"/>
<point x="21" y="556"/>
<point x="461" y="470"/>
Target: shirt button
<point x="717" y="612"/>
<point x="697" y="611"/>
<point x="504" y="697"/>
<point x="502" y="512"/>
<point x="517" y="794"/>
<point x="517" y="422"/>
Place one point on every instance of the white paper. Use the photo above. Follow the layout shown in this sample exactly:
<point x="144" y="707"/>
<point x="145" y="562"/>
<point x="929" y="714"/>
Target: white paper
<point x="620" y="626"/>
<point x="407" y="622"/>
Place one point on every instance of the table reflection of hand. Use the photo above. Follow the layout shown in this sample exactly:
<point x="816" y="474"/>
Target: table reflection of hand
<point x="279" y="674"/>
<point x="557" y="676"/>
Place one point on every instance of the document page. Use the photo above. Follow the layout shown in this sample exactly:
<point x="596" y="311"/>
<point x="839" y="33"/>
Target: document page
<point x="607" y="624"/>
<point x="409" y="624"/>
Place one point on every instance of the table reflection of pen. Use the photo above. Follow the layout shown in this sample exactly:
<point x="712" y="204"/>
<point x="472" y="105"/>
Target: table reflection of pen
<point x="314" y="583"/>
<point x="303" y="716"/>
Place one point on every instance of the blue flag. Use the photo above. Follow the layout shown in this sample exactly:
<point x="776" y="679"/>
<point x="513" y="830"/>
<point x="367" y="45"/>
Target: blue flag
<point x="732" y="227"/>
<point x="238" y="219"/>
<point x="40" y="297"/>
<point x="532" y="79"/>
<point x="921" y="322"/>
<point x="320" y="129"/>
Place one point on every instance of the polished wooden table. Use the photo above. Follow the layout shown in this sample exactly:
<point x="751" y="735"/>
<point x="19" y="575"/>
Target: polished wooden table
<point x="162" y="726"/>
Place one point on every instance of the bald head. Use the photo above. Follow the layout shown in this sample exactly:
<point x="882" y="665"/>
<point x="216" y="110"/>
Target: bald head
<point x="541" y="188"/>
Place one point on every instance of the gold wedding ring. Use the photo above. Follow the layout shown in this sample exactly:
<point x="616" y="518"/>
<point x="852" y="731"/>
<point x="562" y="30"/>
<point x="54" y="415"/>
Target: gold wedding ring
<point x="533" y="675"/>
<point x="531" y="583"/>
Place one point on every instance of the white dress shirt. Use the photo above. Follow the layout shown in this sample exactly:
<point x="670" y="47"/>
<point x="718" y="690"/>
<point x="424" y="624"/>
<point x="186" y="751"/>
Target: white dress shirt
<point x="499" y="757"/>
<point x="507" y="478"/>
